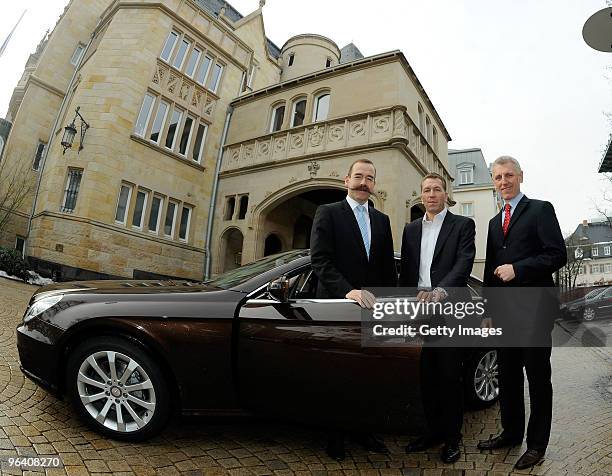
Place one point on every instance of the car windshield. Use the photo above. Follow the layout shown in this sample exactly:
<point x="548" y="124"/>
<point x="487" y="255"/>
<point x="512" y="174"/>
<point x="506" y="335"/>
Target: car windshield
<point x="594" y="293"/>
<point x="244" y="273"/>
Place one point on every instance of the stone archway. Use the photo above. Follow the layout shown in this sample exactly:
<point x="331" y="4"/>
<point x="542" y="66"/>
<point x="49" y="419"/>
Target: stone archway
<point x="301" y="232"/>
<point x="231" y="249"/>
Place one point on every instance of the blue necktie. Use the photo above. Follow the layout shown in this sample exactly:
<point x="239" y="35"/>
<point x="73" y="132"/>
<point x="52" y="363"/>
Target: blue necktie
<point x="363" y="227"/>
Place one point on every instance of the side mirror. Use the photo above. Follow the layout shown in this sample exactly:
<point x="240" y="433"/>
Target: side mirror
<point x="279" y="289"/>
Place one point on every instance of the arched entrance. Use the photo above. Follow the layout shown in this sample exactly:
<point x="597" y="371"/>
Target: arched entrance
<point x="417" y="212"/>
<point x="273" y="245"/>
<point x="231" y="249"/>
<point x="290" y="220"/>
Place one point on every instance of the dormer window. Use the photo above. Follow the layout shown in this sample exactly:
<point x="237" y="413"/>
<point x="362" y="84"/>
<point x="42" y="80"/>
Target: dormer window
<point x="328" y="63"/>
<point x="466" y="175"/>
<point x="291" y="59"/>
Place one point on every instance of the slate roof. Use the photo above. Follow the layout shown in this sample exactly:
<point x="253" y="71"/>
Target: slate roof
<point x="350" y="53"/>
<point x="586" y="236"/>
<point x="214" y="7"/>
<point x="475" y="157"/>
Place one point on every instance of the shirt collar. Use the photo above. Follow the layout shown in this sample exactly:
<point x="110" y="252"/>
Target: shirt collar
<point x="438" y="218"/>
<point x="354" y="204"/>
<point x="514" y="202"/>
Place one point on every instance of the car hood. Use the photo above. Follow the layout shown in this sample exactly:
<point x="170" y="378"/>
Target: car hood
<point x="123" y="286"/>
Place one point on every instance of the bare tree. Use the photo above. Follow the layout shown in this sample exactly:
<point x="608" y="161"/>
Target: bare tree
<point x="575" y="257"/>
<point x="15" y="185"/>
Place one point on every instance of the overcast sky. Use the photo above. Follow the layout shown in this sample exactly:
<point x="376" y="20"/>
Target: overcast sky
<point x="509" y="77"/>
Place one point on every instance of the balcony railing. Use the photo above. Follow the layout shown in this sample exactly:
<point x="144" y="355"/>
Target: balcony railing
<point x="379" y="127"/>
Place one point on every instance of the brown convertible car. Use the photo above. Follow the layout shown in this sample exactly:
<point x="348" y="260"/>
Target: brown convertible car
<point x="251" y="341"/>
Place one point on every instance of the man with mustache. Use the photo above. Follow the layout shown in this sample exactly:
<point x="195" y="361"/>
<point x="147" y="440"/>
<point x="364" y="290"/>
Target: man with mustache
<point x="524" y="248"/>
<point x="437" y="257"/>
<point x="352" y="248"/>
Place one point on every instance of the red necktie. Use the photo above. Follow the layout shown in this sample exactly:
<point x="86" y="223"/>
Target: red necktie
<point x="506" y="218"/>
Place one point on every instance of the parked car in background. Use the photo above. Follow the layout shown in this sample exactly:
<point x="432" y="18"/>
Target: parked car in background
<point x="132" y="354"/>
<point x="593" y="305"/>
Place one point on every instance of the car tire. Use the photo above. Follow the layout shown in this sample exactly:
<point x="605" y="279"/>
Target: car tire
<point x="588" y="314"/>
<point x="481" y="379"/>
<point x="125" y="406"/>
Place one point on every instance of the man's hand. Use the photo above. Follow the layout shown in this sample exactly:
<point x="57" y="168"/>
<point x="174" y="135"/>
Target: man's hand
<point x="505" y="272"/>
<point x="425" y="296"/>
<point x="364" y="298"/>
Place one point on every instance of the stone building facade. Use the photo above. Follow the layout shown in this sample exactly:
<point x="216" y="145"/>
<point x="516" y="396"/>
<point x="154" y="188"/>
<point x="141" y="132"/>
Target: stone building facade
<point x="208" y="146"/>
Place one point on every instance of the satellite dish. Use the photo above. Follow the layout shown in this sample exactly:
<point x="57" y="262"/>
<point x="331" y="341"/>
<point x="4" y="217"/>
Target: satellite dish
<point x="597" y="31"/>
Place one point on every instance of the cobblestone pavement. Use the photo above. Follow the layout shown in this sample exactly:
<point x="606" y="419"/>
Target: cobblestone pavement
<point x="34" y="423"/>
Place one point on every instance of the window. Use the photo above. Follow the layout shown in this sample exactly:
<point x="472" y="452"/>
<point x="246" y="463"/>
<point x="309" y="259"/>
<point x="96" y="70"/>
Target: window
<point x="435" y="138"/>
<point x="278" y="114"/>
<point x="291" y="59"/>
<point x="186" y="135"/>
<point x="607" y="250"/>
<point x="193" y="62"/>
<point x="123" y="203"/>
<point x="185" y="221"/>
<point x="299" y="111"/>
<point x="421" y="119"/>
<point x="158" y="123"/>
<point x="170" y="221"/>
<point x="78" y="53"/>
<point x="466" y="176"/>
<point x="175" y="120"/>
<point x="244" y="205"/>
<point x="20" y="245"/>
<point x="595" y="269"/>
<point x="251" y="76"/>
<point x="428" y="129"/>
<point x="139" y="208"/>
<point x="213" y="81"/>
<point x="144" y="115"/>
<point x="40" y="151"/>
<point x="608" y="268"/>
<point x="169" y="46"/>
<point x="322" y="107"/>
<point x="1" y="145"/>
<point x="230" y="206"/>
<point x="198" y="146"/>
<point x="180" y="55"/>
<point x="328" y="62"/>
<point x="157" y="205"/>
<point x="71" y="191"/>
<point x="203" y="71"/>
<point x="582" y="270"/>
<point x="594" y="251"/>
<point x="467" y="209"/>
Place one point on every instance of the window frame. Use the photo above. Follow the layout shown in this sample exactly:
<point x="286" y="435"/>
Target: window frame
<point x="467" y="179"/>
<point x="144" y="210"/>
<point x="168" y="124"/>
<point x="594" y="251"/>
<point x="294" y="110"/>
<point x="162" y="122"/>
<point x="189" y="43"/>
<point x="127" y="203"/>
<point x="204" y="81"/>
<point x="149" y="113"/>
<point x="38" y="158"/>
<point x="317" y="104"/>
<point x="202" y="144"/>
<point x="173" y="230"/>
<point x="188" y="225"/>
<point x="606" y="250"/>
<point x="171" y="52"/>
<point x="275" y="108"/>
<point x="159" y="213"/>
<point x="196" y="63"/>
<point x="470" y="205"/>
<point x="215" y="87"/>
<point x="69" y="175"/>
<point x="76" y="59"/>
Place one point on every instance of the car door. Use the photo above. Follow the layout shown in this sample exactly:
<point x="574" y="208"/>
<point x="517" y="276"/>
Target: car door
<point x="604" y="303"/>
<point x="304" y="360"/>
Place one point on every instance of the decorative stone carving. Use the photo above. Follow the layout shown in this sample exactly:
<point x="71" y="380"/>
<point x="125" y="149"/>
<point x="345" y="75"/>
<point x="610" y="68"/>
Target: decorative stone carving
<point x="173" y="81"/>
<point x="297" y="141"/>
<point x="160" y="74"/>
<point x="316" y="136"/>
<point x="264" y="149"/>
<point x="414" y="193"/>
<point x="235" y="155"/>
<point x="357" y="129"/>
<point x="336" y="133"/>
<point x="209" y="106"/>
<point x="185" y="90"/>
<point x="381" y="194"/>
<point x="313" y="168"/>
<point x="381" y="124"/>
<point x="279" y="144"/>
<point x="398" y="122"/>
<point x="333" y="173"/>
<point x="292" y="179"/>
<point x="196" y="99"/>
<point x="248" y="151"/>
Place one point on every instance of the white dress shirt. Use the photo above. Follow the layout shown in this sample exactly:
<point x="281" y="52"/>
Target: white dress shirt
<point x="354" y="204"/>
<point x="429" y="237"/>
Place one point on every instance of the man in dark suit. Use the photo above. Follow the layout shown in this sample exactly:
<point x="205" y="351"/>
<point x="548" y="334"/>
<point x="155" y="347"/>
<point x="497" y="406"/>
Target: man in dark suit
<point x="524" y="248"/>
<point x="352" y="248"/>
<point x="437" y="257"/>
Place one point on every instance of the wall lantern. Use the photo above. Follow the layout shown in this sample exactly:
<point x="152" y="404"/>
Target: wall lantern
<point x="70" y="131"/>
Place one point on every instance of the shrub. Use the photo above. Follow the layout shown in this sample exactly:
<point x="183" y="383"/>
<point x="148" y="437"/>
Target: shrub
<point x="13" y="264"/>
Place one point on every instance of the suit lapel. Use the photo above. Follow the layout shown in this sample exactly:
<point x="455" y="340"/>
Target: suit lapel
<point x="447" y="226"/>
<point x="520" y="207"/>
<point x="352" y="223"/>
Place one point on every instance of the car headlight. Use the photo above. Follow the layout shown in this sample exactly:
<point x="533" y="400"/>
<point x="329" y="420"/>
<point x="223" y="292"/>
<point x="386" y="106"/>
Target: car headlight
<point x="41" y="306"/>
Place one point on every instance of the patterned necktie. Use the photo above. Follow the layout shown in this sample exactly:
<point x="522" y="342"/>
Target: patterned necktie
<point x="506" y="218"/>
<point x="363" y="227"/>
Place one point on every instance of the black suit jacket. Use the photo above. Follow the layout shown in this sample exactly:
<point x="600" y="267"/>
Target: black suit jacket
<point x="534" y="245"/>
<point x="453" y="254"/>
<point x="338" y="255"/>
<point x="527" y="305"/>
